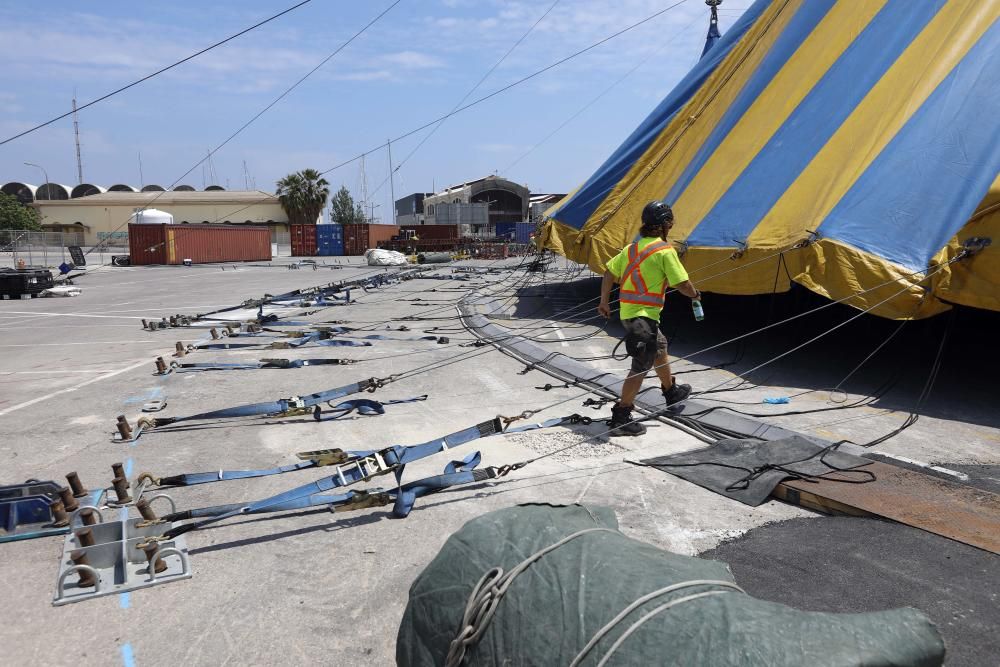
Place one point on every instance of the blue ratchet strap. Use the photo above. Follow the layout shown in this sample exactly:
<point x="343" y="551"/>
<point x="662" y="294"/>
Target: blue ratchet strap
<point x="278" y="407"/>
<point x="340" y="342"/>
<point x="263" y="363"/>
<point x="314" y="461"/>
<point x="456" y="472"/>
<point x="363" y="406"/>
<point x="191" y="479"/>
<point x="364" y="465"/>
<point x="381" y="337"/>
<point x="287" y="323"/>
<point x="402" y="498"/>
<point x="186" y="368"/>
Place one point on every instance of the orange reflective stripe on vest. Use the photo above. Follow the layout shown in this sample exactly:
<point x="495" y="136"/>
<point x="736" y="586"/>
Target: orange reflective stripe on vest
<point x="632" y="277"/>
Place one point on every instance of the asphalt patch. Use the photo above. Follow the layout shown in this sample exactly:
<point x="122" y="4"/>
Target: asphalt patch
<point x="846" y="564"/>
<point x="985" y="477"/>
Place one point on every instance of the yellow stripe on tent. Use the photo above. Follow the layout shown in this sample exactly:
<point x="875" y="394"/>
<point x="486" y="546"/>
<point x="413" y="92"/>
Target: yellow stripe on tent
<point x="975" y="281"/>
<point x="942" y="44"/>
<point x="664" y="161"/>
<point x="806" y="67"/>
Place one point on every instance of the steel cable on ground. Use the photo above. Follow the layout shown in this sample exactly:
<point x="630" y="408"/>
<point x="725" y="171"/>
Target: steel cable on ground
<point x="594" y="437"/>
<point x="156" y="73"/>
<point x="491" y="341"/>
<point x="466" y="356"/>
<point x="927" y="275"/>
<point x="260" y="113"/>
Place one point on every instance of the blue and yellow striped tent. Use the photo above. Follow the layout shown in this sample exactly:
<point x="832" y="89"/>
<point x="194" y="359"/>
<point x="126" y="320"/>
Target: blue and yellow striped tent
<point x="851" y="146"/>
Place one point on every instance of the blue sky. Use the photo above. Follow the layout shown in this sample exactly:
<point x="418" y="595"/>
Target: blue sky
<point x="415" y="64"/>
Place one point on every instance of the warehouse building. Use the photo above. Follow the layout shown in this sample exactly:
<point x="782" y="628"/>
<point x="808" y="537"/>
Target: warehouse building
<point x="410" y="209"/>
<point x="102" y="214"/>
<point x="538" y="204"/>
<point x="506" y="201"/>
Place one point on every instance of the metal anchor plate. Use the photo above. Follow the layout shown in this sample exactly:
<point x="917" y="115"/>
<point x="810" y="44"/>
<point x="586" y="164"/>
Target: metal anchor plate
<point x="116" y="560"/>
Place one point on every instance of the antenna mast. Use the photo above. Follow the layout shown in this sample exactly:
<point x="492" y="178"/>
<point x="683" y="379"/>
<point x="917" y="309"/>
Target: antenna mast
<point x="364" y="189"/>
<point x="392" y="184"/>
<point x="76" y="132"/>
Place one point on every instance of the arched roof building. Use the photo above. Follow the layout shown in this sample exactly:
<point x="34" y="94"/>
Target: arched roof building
<point x="25" y="192"/>
<point x="507" y="201"/>
<point x="85" y="190"/>
<point x="53" y="191"/>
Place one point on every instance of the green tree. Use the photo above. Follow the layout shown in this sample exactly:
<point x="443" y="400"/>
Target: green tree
<point x="303" y="195"/>
<point x="15" y="215"/>
<point x="344" y="210"/>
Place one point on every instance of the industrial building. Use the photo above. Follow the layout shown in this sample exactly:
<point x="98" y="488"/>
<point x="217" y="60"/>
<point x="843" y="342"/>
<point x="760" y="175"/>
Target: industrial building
<point x="101" y="214"/>
<point x="539" y="203"/>
<point x="506" y="201"/>
<point x="410" y="209"/>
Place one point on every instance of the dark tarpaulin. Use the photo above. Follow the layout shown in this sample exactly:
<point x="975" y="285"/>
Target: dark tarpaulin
<point x="559" y="603"/>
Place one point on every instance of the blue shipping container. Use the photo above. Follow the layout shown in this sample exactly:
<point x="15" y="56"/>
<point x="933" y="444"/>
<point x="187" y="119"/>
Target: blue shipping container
<point x="332" y="232"/>
<point x="516" y="232"/>
<point x="332" y="249"/>
<point x="506" y="230"/>
<point x="329" y="240"/>
<point x="523" y="231"/>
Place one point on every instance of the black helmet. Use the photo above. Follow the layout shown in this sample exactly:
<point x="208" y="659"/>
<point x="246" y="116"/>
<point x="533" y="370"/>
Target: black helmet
<point x="657" y="213"/>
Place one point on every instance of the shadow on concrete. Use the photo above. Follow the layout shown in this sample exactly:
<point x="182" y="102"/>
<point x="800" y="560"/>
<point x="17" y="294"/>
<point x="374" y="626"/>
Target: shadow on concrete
<point x="964" y="389"/>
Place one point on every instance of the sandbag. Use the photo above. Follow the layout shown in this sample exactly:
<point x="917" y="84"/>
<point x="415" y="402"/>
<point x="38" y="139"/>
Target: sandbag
<point x="557" y="604"/>
<point x="379" y="257"/>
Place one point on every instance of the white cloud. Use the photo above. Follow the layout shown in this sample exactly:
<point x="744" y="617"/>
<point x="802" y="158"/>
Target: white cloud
<point x="370" y="75"/>
<point x="412" y="60"/>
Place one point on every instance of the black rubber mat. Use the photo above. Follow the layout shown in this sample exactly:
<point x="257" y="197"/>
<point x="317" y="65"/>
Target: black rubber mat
<point x="748" y="470"/>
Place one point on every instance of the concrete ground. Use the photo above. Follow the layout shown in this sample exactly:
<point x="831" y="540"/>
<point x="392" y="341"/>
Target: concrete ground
<point x="310" y="586"/>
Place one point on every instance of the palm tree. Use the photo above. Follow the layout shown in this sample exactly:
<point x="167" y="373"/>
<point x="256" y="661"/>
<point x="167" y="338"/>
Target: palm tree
<point x="303" y="195"/>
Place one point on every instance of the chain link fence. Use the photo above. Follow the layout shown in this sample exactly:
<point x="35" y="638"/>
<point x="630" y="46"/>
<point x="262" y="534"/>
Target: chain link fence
<point x="36" y="248"/>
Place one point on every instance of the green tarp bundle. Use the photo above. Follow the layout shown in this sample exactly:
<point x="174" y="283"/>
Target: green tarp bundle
<point x="556" y="606"/>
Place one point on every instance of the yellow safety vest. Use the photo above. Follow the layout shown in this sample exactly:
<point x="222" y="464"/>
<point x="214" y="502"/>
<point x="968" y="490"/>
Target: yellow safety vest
<point x="633" y="287"/>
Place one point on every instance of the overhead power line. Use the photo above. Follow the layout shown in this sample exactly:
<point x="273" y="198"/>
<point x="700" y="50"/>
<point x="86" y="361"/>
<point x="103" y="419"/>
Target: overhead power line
<point x="594" y="100"/>
<point x="260" y="113"/>
<point x="156" y="73"/>
<point x="472" y="90"/>
<point x="508" y="86"/>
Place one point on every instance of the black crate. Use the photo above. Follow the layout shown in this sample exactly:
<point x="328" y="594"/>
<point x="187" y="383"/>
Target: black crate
<point x="16" y="282"/>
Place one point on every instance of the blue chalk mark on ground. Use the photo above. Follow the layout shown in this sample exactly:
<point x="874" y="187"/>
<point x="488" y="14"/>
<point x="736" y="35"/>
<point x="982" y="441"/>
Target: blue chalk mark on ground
<point x="147" y="395"/>
<point x="128" y="658"/>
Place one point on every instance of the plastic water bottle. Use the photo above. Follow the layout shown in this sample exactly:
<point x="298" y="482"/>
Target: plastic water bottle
<point x="699" y="312"/>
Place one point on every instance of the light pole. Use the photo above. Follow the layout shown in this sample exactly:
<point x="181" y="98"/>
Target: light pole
<point x="44" y="173"/>
<point x="371" y="218"/>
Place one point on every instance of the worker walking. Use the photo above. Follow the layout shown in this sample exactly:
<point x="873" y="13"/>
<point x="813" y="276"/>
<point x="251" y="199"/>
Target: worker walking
<point x="644" y="269"/>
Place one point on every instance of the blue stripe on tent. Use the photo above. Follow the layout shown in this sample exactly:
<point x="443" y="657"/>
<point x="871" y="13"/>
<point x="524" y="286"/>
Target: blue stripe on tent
<point x="796" y="32"/>
<point x="926" y="183"/>
<point x="811" y="125"/>
<point x="581" y="205"/>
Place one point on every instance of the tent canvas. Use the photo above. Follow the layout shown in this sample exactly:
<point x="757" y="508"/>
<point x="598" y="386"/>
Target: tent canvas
<point x="850" y="146"/>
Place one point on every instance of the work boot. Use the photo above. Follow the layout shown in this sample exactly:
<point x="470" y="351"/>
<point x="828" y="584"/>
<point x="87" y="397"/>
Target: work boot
<point x="622" y="423"/>
<point x="676" y="393"/>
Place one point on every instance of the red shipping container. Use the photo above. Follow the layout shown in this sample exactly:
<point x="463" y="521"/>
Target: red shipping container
<point x="303" y="240"/>
<point x="359" y="238"/>
<point x="202" y="244"/>
<point x="433" y="232"/>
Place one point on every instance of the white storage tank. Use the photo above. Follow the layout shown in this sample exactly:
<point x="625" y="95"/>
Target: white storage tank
<point x="151" y="216"/>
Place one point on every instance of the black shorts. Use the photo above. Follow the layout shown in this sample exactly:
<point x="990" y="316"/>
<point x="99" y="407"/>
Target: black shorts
<point x="643" y="342"/>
